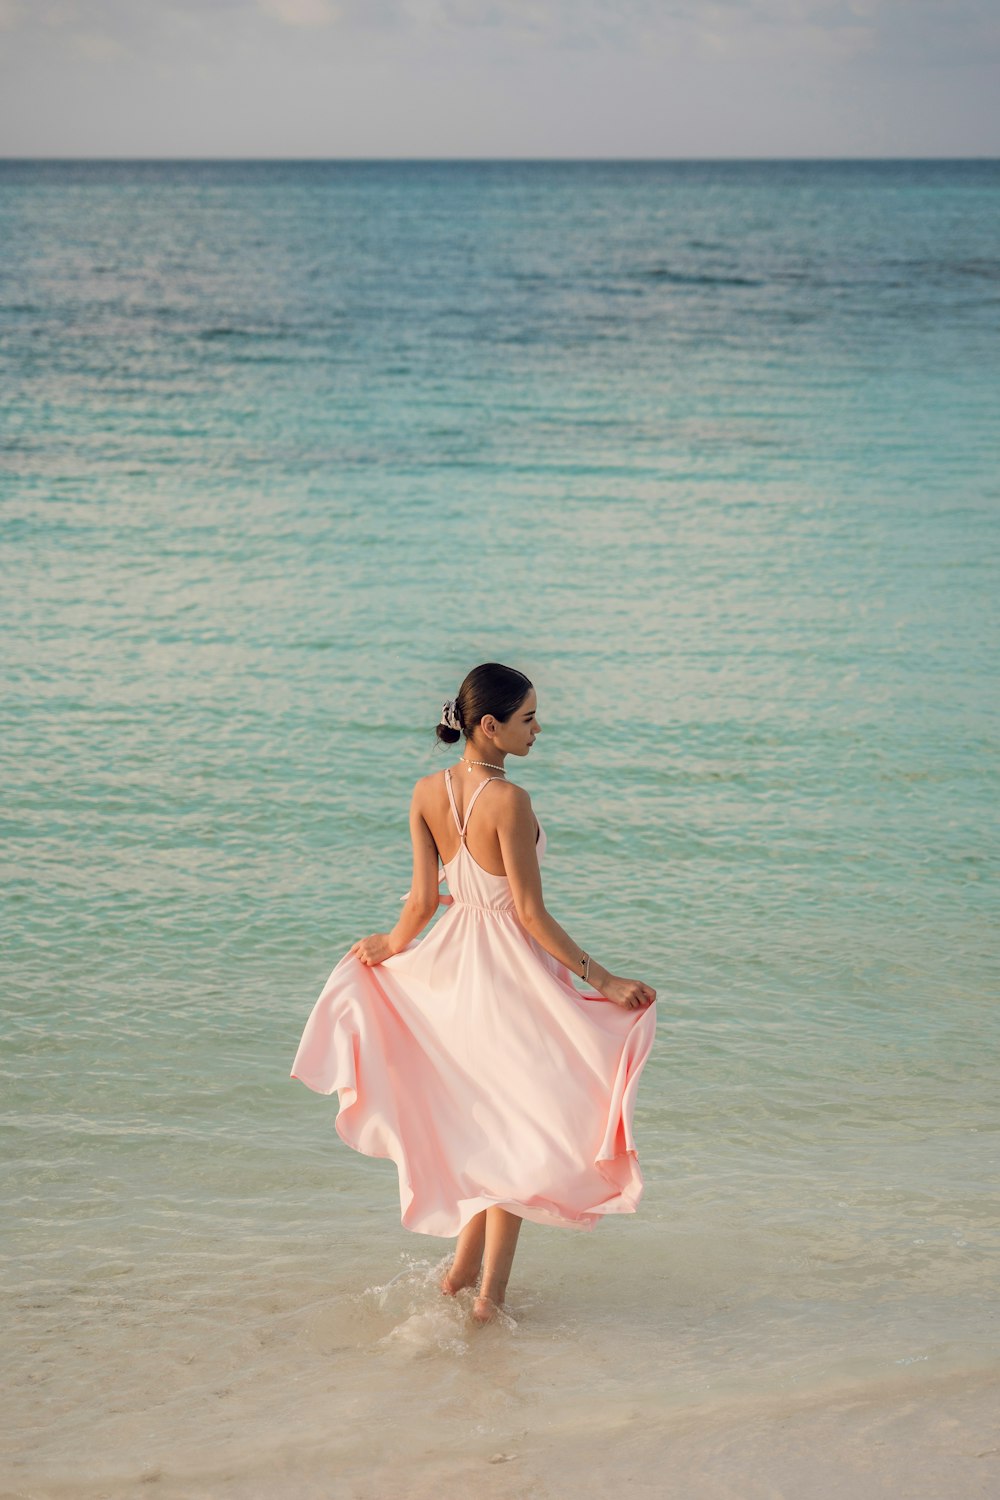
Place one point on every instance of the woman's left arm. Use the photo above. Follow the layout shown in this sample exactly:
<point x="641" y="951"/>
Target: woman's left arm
<point x="421" y="902"/>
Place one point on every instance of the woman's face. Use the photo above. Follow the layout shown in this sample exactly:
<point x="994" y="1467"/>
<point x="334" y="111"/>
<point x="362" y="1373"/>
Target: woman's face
<point x="517" y="735"/>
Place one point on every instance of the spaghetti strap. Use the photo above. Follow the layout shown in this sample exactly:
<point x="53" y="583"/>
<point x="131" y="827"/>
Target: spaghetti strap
<point x="472" y="801"/>
<point x="454" y="806"/>
<point x="462" y="827"/>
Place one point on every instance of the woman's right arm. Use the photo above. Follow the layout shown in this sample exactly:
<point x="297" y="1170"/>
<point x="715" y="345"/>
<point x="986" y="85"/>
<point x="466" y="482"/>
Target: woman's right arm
<point x="516" y="832"/>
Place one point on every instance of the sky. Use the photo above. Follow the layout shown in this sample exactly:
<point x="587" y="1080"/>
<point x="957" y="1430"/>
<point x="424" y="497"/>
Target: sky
<point x="499" y="78"/>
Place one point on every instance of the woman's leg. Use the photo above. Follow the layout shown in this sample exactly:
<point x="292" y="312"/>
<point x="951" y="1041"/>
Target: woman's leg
<point x="502" y="1230"/>
<point x="464" y="1269"/>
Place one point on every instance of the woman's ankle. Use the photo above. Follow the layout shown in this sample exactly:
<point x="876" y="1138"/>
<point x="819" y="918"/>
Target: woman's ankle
<point x="493" y="1289"/>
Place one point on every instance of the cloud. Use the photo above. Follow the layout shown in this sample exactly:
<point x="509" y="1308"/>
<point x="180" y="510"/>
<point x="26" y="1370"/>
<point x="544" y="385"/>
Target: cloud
<point x="301" y="12"/>
<point x="514" y="14"/>
<point x="828" y="30"/>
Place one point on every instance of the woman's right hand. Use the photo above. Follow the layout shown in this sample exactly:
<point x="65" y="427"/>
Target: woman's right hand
<point x="630" y="994"/>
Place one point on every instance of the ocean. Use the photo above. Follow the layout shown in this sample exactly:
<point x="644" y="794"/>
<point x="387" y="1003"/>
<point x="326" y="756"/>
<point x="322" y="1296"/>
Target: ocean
<point x="709" y="450"/>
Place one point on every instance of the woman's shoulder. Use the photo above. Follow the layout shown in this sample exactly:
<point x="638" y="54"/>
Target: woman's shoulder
<point x="512" y="800"/>
<point x="433" y="781"/>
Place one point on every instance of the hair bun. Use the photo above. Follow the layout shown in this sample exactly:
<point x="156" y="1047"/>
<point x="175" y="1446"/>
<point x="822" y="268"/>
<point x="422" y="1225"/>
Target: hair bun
<point x="450" y="716"/>
<point x="490" y="688"/>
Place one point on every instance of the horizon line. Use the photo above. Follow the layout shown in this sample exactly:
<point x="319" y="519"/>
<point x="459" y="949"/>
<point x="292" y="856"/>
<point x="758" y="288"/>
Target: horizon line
<point x="525" y="160"/>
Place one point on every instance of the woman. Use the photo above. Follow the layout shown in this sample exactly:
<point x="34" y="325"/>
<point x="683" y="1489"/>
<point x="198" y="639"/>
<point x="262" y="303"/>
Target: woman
<point x="469" y="1057"/>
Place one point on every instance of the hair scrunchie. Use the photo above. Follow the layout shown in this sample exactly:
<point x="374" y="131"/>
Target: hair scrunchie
<point x="449" y="714"/>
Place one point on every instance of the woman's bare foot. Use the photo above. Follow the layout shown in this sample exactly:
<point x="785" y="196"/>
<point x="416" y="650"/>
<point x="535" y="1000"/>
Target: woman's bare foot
<point x="484" y="1310"/>
<point x="456" y="1280"/>
<point x="452" y="1286"/>
<point x="489" y="1300"/>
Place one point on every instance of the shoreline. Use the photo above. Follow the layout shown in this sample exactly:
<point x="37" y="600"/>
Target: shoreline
<point x="918" y="1441"/>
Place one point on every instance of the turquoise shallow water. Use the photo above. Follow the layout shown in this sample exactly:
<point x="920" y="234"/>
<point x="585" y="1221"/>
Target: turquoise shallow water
<point x="710" y="451"/>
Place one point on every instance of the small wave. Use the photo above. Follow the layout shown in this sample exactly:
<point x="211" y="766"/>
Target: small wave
<point x="694" y="278"/>
<point x="988" y="270"/>
<point x="943" y="270"/>
<point x="228" y="331"/>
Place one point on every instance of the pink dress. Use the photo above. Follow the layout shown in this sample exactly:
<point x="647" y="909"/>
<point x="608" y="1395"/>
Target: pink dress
<point x="471" y="1059"/>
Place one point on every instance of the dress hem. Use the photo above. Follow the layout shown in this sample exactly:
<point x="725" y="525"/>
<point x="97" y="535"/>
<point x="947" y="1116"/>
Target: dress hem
<point x="625" y="1203"/>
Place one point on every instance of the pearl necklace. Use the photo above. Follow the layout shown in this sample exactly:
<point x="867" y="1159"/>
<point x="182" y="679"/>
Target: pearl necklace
<point x="471" y="763"/>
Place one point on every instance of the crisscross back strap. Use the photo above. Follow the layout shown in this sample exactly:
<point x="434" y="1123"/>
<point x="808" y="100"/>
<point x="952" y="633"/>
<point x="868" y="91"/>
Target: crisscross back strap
<point x="454" y="805"/>
<point x="472" y="801"/>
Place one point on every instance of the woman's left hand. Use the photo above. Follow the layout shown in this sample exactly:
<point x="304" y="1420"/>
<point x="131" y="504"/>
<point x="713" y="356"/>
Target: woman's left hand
<point x="374" y="949"/>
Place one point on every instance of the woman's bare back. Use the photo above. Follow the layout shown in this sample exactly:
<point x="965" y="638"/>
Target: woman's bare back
<point x="482" y="839"/>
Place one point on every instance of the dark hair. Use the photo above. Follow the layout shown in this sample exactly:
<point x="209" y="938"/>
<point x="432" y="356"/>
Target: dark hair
<point x="488" y="689"/>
